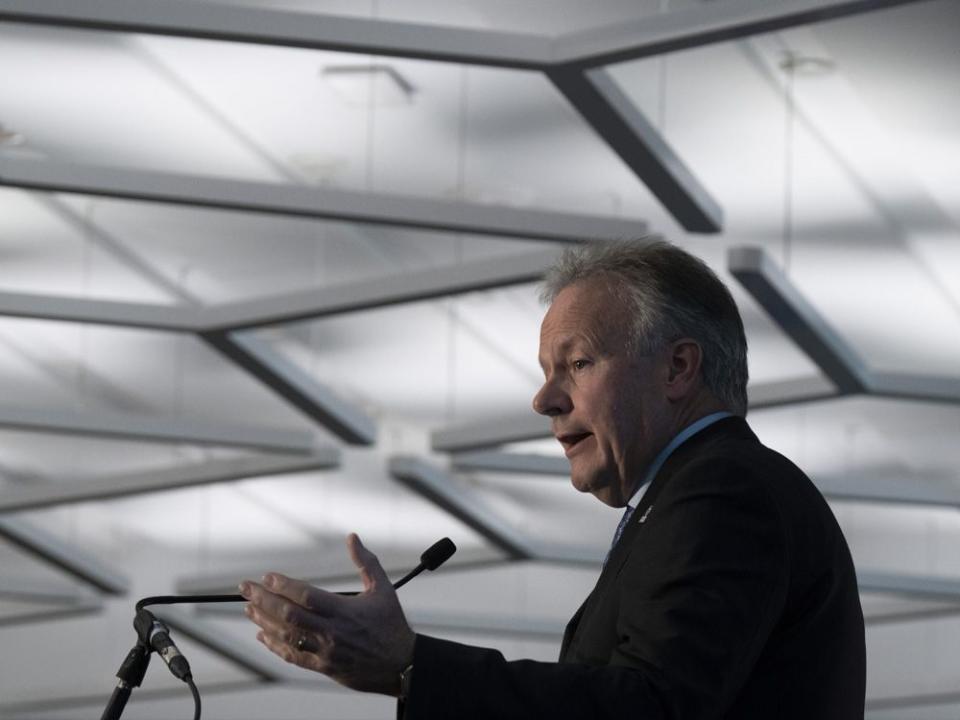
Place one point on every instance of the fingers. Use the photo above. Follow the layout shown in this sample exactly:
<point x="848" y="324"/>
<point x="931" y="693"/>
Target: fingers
<point x="275" y="606"/>
<point x="371" y="572"/>
<point x="302" y="594"/>
<point x="272" y="626"/>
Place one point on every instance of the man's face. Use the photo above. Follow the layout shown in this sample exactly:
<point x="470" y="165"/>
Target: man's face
<point x="606" y="407"/>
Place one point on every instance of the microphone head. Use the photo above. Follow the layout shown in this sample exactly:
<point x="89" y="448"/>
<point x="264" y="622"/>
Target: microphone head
<point x="437" y="554"/>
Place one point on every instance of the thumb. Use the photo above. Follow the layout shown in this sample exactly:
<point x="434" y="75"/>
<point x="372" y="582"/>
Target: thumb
<point x="371" y="572"/>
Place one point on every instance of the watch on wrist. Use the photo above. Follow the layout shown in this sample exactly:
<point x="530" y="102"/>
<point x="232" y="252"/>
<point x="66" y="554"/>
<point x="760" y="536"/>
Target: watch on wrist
<point x="406" y="677"/>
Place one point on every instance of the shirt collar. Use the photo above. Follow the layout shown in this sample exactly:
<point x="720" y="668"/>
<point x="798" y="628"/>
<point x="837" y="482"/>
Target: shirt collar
<point x="662" y="456"/>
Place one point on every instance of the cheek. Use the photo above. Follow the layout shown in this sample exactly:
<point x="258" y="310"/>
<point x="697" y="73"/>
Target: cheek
<point x="622" y="431"/>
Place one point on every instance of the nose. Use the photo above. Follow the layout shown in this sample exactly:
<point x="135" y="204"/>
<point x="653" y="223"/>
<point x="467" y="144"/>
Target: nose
<point x="552" y="399"/>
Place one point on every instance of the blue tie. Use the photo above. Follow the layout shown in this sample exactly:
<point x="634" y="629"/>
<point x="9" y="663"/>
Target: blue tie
<point x="620" y="528"/>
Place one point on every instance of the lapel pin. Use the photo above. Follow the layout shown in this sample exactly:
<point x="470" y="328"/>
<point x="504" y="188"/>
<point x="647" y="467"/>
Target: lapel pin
<point x="643" y="518"/>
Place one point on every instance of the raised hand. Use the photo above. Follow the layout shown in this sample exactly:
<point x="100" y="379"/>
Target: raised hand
<point x="363" y="642"/>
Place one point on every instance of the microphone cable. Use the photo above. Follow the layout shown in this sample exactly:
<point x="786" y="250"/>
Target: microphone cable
<point x="196" y="697"/>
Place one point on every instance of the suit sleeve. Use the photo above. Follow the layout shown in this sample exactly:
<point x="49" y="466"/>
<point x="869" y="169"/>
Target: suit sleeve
<point x="697" y="599"/>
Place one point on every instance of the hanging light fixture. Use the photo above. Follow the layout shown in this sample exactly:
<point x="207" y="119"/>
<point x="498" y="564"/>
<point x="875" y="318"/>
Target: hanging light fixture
<point x="353" y="83"/>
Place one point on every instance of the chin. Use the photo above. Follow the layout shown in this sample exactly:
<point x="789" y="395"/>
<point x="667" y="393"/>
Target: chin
<point x="603" y="495"/>
<point x="580" y="485"/>
<point x="594" y="486"/>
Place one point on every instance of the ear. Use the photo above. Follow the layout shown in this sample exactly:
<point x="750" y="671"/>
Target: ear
<point x="684" y="359"/>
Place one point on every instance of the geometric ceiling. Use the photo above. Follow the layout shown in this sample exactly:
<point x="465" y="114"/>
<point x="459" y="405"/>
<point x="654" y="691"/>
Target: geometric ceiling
<point x="270" y="277"/>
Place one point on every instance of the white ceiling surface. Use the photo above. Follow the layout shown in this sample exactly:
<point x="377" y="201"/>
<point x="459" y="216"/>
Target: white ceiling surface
<point x="875" y="209"/>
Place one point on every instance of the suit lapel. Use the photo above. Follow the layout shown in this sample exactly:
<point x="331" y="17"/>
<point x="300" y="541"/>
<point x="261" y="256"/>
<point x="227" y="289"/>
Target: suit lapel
<point x="646" y="509"/>
<point x="646" y="512"/>
<point x="571" y="629"/>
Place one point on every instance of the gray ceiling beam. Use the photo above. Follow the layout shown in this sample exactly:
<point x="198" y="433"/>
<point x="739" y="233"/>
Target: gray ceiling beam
<point x="345" y="420"/>
<point x="323" y="203"/>
<point x="54" y="601"/>
<point x="80" y="608"/>
<point x="601" y="102"/>
<point x="124" y="426"/>
<point x="256" y="357"/>
<point x="443" y="491"/>
<point x="33" y="591"/>
<point x="63" y="555"/>
<point x="699" y="25"/>
<point x="890" y="485"/>
<point x="923" y="388"/>
<point x="593" y="94"/>
<point x="801" y="322"/>
<point x="836" y="359"/>
<point x="180" y="18"/>
<point x="576" y="555"/>
<point x="414" y="286"/>
<point x="594" y="47"/>
<point x="453" y="497"/>
<point x="883" y="705"/>
<point x="408" y="287"/>
<point x="936" y="588"/>
<point x="100" y="312"/>
<point x="491" y="433"/>
<point x="793" y="391"/>
<point x="514" y="463"/>
<point x="574" y="63"/>
<point x="36" y="495"/>
<point x="899" y="617"/>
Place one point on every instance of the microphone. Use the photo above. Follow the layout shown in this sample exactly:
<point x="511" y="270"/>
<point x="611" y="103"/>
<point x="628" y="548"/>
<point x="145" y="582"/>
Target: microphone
<point x="437" y="554"/>
<point x="432" y="558"/>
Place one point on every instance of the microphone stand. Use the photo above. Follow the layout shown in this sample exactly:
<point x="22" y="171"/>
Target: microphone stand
<point x="133" y="668"/>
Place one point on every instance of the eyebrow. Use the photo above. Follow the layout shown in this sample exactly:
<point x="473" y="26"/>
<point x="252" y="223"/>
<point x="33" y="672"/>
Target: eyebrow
<point x="568" y="342"/>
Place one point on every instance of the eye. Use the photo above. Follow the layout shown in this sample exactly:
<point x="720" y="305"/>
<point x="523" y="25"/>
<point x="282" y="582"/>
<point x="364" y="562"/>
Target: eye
<point x="579" y="364"/>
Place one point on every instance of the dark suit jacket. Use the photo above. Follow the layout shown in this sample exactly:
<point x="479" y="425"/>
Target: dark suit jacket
<point x="731" y="594"/>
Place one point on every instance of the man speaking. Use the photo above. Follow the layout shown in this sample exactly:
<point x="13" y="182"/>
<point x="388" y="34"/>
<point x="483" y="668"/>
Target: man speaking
<point x="728" y="590"/>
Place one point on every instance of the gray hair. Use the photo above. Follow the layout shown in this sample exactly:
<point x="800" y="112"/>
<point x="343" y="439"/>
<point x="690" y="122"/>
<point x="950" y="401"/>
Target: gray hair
<point x="671" y="294"/>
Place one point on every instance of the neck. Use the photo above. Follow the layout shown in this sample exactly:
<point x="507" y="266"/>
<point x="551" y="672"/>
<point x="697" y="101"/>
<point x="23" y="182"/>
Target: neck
<point x="701" y="406"/>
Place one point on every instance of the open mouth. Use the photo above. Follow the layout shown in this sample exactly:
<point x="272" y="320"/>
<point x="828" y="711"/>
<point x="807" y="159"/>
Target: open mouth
<point x="571" y="440"/>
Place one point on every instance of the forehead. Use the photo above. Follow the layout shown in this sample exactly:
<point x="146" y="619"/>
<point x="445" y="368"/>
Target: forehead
<point x="585" y="311"/>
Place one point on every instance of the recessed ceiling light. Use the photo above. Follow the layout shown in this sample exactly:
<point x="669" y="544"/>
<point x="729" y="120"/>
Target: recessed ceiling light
<point x="11" y="138"/>
<point x="807" y="65"/>
<point x="354" y="84"/>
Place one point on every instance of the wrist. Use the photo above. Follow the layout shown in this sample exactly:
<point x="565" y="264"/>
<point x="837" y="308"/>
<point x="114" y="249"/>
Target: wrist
<point x="404" y="667"/>
<point x="406" y="679"/>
